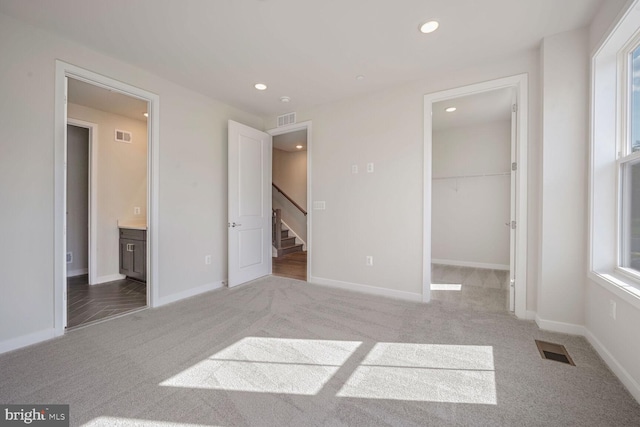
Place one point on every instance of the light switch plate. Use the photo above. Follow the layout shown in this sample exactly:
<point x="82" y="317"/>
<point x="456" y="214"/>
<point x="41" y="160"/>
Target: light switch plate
<point x="319" y="206"/>
<point x="369" y="167"/>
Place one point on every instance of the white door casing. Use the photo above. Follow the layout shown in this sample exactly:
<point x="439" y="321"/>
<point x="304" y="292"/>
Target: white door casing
<point x="249" y="218"/>
<point x="520" y="84"/>
<point x="513" y="204"/>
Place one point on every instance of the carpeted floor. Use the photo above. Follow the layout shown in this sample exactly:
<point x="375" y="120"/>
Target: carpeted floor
<point x="279" y="352"/>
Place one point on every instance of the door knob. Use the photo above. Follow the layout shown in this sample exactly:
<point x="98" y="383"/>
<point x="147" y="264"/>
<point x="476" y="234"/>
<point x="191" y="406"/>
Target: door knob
<point x="233" y="224"/>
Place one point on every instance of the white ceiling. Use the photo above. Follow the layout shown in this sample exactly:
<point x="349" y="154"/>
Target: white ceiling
<point x="82" y="93"/>
<point x="288" y="141"/>
<point x="309" y="50"/>
<point x="485" y="107"/>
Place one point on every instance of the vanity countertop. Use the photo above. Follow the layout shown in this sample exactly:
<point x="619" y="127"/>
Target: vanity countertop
<point x="132" y="224"/>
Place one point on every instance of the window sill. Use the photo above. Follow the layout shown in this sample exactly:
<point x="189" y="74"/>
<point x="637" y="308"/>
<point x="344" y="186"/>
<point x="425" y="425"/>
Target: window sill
<point x="623" y="287"/>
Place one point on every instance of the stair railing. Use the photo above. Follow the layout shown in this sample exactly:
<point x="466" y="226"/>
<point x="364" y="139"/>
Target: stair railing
<point x="289" y="199"/>
<point x="276" y="221"/>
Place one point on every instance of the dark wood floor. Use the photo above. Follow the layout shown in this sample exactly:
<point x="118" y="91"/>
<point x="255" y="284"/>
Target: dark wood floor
<point x="293" y="266"/>
<point x="86" y="304"/>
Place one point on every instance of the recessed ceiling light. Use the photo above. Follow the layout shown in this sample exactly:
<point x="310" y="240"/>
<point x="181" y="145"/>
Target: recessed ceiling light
<point x="285" y="99"/>
<point x="299" y="147"/>
<point x="145" y="114"/>
<point x="360" y="77"/>
<point x="260" y="86"/>
<point x="429" y="27"/>
<point x="450" y="109"/>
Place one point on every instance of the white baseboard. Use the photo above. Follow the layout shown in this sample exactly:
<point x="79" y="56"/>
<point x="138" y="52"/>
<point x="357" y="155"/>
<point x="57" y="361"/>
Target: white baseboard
<point x="109" y="278"/>
<point x="564" y="328"/>
<point x="189" y="293"/>
<point x="25" y="340"/>
<point x="367" y="289"/>
<point x="470" y="264"/>
<point x="80" y="272"/>
<point x="622" y="374"/>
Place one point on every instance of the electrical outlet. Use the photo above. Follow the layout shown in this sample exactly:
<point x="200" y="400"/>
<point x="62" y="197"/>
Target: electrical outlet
<point x="369" y="261"/>
<point x="369" y="167"/>
<point x="354" y="168"/>
<point x="136" y="210"/>
<point x="207" y="259"/>
<point x="612" y="309"/>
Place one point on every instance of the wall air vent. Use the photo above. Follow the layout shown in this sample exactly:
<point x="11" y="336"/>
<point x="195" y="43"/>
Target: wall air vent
<point x="286" y="119"/>
<point x="124" y="136"/>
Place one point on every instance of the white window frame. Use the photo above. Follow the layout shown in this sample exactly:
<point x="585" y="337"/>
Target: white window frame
<point x="610" y="132"/>
<point x="626" y="157"/>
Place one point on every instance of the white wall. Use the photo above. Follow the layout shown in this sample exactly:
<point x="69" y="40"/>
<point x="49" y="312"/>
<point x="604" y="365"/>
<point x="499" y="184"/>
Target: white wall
<point x="121" y="183"/>
<point x="290" y="174"/>
<point x="380" y="214"/>
<point x="565" y="103"/>
<point x="193" y="178"/>
<point x="469" y="215"/>
<point x="77" y="200"/>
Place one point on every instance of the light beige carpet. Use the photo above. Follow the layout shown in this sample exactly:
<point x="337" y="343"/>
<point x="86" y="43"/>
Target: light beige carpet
<point x="279" y="352"/>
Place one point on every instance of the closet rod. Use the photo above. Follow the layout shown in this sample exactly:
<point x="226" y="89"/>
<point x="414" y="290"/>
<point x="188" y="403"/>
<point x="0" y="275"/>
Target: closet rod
<point x="472" y="176"/>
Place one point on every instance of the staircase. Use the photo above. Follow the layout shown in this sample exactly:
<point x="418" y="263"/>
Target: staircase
<point x="282" y="242"/>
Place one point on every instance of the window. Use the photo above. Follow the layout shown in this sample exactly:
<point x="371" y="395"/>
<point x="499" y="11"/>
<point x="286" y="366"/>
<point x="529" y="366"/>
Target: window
<point x="629" y="163"/>
<point x="614" y="179"/>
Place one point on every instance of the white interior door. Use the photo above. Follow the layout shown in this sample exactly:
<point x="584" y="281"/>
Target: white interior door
<point x="249" y="204"/>
<point x="512" y="215"/>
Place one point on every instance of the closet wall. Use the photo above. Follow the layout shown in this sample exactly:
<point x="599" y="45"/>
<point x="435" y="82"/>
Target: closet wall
<point x="471" y="195"/>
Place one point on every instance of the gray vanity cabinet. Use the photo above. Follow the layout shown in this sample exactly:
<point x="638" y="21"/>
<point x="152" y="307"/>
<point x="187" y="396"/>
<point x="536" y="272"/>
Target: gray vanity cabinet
<point x="133" y="253"/>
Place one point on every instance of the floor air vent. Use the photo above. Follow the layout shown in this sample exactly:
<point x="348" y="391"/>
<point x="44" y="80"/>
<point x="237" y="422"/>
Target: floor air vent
<point x="557" y="352"/>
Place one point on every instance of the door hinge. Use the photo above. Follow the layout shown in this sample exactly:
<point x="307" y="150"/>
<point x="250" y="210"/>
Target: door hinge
<point x="513" y="225"/>
<point x="514" y="166"/>
<point x="514" y="108"/>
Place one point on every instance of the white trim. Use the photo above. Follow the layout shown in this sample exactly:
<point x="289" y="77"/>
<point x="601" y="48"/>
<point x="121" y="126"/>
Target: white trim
<point x="190" y="293"/>
<point x="520" y="84"/>
<point x="80" y="272"/>
<point x="93" y="195"/>
<point x="25" y="340"/>
<point x="292" y="128"/>
<point x="63" y="71"/>
<point x="366" y="289"/>
<point x="470" y="264"/>
<point x="109" y="278"/>
<point x="304" y="244"/>
<point x="564" y="328"/>
<point x="622" y="374"/>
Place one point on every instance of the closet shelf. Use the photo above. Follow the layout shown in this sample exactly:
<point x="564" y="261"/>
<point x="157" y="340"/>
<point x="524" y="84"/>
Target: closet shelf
<point x="483" y="175"/>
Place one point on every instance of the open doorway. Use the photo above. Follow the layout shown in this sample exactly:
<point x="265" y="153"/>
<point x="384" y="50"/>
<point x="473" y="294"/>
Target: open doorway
<point x="472" y="201"/>
<point x="514" y="172"/>
<point x="289" y="204"/>
<point x="106" y="199"/>
<point x="65" y="72"/>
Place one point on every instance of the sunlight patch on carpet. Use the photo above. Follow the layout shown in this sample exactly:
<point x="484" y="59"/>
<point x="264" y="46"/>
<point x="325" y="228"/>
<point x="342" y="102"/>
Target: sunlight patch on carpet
<point x="425" y="372"/>
<point x="268" y="365"/>
<point x="446" y="287"/>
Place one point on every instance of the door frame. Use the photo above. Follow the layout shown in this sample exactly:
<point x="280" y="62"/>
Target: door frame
<point x="93" y="193"/>
<point x="520" y="84"/>
<point x="65" y="70"/>
<point x="293" y="128"/>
